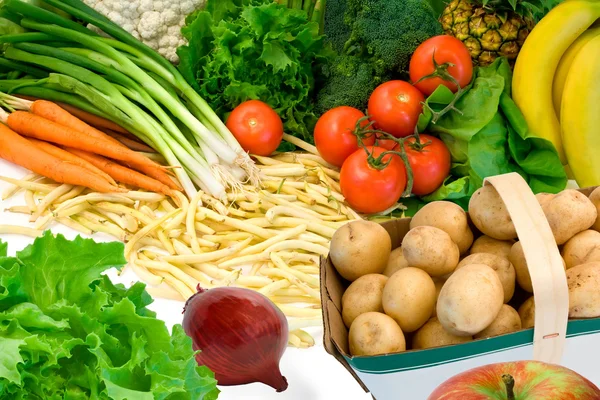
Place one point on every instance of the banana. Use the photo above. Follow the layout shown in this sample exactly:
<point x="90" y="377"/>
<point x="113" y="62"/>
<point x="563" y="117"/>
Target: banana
<point x="537" y="62"/>
<point x="580" y="115"/>
<point x="565" y="64"/>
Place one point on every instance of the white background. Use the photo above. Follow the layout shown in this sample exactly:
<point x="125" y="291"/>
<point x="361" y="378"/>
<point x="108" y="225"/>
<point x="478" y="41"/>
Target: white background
<point x="312" y="373"/>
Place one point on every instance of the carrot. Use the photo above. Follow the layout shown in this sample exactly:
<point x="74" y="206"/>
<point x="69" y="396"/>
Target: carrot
<point x="131" y="144"/>
<point x="55" y="113"/>
<point x="93" y="120"/>
<point x="123" y="174"/>
<point x="71" y="158"/>
<point x="90" y="139"/>
<point x="20" y="151"/>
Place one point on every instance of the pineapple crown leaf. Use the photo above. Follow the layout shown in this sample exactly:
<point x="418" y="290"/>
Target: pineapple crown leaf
<point x="535" y="9"/>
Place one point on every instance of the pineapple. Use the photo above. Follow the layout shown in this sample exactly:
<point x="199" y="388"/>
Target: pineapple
<point x="490" y="28"/>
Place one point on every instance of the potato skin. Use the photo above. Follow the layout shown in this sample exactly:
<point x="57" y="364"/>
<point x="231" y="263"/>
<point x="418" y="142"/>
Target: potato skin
<point x="395" y="263"/>
<point x="582" y="248"/>
<point x="470" y="300"/>
<point x="503" y="267"/>
<point x="544" y="198"/>
<point x="595" y="199"/>
<point x="527" y="313"/>
<point x="409" y="298"/>
<point x="569" y="213"/>
<point x="489" y="214"/>
<point x="584" y="290"/>
<point x="507" y="321"/>
<point x="439" y="284"/>
<point x="375" y="333"/>
<point x="430" y="249"/>
<point x="517" y="259"/>
<point x="450" y="218"/>
<point x="359" y="248"/>
<point x="486" y="244"/>
<point x="363" y="295"/>
<point x="433" y="334"/>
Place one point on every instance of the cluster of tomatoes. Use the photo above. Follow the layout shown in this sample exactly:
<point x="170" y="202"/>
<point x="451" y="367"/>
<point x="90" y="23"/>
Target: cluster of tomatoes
<point x="373" y="174"/>
<point x="371" y="183"/>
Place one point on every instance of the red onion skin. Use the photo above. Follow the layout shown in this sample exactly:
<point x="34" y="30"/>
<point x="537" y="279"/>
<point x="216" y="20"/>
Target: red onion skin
<point x="242" y="335"/>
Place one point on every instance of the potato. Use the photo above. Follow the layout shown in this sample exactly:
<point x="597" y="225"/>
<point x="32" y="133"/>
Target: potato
<point x="470" y="300"/>
<point x="544" y="198"/>
<point x="439" y="284"/>
<point x="433" y="334"/>
<point x="527" y="313"/>
<point x="486" y="244"/>
<point x="375" y="333"/>
<point x="430" y="249"/>
<point x="363" y="295"/>
<point x="359" y="248"/>
<point x="569" y="213"/>
<point x="507" y="321"/>
<point x="503" y="267"/>
<point x="489" y="214"/>
<point x="584" y="290"/>
<point x="395" y="263"/>
<point x="450" y="218"/>
<point x="595" y="199"/>
<point x="582" y="248"/>
<point x="409" y="298"/>
<point x="517" y="259"/>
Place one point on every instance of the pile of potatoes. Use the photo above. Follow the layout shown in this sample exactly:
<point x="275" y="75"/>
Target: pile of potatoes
<point x="443" y="287"/>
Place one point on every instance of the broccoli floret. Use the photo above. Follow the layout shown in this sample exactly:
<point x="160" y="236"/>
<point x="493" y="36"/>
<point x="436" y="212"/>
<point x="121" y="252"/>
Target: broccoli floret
<point x="389" y="31"/>
<point x="348" y="81"/>
<point x="335" y="29"/>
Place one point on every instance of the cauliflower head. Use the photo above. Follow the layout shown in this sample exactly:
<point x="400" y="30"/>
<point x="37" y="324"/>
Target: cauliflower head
<point x="156" y="23"/>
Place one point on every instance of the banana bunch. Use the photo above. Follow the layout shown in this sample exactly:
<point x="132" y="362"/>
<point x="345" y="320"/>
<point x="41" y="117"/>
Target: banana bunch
<point x="556" y="84"/>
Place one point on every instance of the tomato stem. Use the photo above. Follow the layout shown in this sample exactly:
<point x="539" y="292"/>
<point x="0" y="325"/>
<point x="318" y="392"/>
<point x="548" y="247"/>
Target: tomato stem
<point x="441" y="71"/>
<point x="509" y="382"/>
<point x="377" y="162"/>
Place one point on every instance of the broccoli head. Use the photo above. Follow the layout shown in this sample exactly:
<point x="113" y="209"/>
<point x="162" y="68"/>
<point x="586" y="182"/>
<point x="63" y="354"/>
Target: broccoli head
<point x="374" y="40"/>
<point x="334" y="28"/>
<point x="346" y="81"/>
<point x="388" y="32"/>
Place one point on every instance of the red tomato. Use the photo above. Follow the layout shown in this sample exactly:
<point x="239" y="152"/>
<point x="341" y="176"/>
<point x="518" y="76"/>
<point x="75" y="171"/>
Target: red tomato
<point x="430" y="164"/>
<point x="369" y="190"/>
<point x="334" y="134"/>
<point x="387" y="144"/>
<point x="447" y="49"/>
<point x="257" y="127"/>
<point x="395" y="107"/>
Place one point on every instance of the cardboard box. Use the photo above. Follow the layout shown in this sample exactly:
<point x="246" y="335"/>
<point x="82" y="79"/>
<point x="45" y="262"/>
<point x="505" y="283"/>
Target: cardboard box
<point x="414" y="374"/>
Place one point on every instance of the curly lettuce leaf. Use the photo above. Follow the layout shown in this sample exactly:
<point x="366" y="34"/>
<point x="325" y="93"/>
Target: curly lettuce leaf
<point x="68" y="332"/>
<point x="241" y="50"/>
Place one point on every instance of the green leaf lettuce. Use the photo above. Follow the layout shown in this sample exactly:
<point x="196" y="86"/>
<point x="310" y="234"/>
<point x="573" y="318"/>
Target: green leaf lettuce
<point x="68" y="332"/>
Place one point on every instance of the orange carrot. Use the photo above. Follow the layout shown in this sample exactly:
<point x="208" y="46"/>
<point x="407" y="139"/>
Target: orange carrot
<point x="85" y="116"/>
<point x="122" y="174"/>
<point x="20" y="151"/>
<point x="90" y="139"/>
<point x="71" y="158"/>
<point x="131" y="144"/>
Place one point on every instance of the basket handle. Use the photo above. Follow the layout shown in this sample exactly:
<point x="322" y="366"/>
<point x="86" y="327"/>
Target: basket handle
<point x="545" y="266"/>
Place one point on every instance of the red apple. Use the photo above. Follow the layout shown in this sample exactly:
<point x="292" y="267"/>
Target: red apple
<point x="522" y="380"/>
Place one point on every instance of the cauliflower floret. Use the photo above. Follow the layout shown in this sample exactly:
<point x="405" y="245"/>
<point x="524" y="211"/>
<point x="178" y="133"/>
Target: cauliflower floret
<point x="157" y="23"/>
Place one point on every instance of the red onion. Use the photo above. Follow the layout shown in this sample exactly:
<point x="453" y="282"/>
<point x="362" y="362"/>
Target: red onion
<point x="241" y="335"/>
